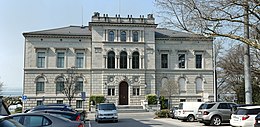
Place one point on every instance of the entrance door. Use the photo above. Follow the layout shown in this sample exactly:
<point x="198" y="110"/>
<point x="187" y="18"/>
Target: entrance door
<point x="123" y="93"/>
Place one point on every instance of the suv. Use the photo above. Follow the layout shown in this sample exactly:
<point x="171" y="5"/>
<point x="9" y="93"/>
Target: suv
<point x="106" y="111"/>
<point x="215" y="113"/>
<point x="244" y="116"/>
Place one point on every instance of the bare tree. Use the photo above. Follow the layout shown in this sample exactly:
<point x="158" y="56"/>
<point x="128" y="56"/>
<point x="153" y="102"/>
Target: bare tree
<point x="215" y="18"/>
<point x="168" y="89"/>
<point x="70" y="87"/>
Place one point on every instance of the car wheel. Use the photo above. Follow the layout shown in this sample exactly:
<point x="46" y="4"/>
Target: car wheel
<point x="216" y="121"/>
<point x="190" y="118"/>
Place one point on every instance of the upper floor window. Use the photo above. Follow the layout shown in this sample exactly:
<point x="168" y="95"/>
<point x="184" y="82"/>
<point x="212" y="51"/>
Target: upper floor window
<point x="59" y="85"/>
<point x="40" y="59"/>
<point x="135" y="36"/>
<point x="181" y="59"/>
<point x="111" y="36"/>
<point x="40" y="85"/>
<point x="123" y="36"/>
<point x="164" y="60"/>
<point x="79" y="60"/>
<point x="79" y="85"/>
<point x="123" y="59"/>
<point x="111" y="60"/>
<point x="198" y="60"/>
<point x="199" y="85"/>
<point x="135" y="60"/>
<point x="60" y="59"/>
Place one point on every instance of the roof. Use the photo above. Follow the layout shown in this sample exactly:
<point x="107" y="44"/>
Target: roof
<point x="166" y="33"/>
<point x="160" y="33"/>
<point x="65" y="31"/>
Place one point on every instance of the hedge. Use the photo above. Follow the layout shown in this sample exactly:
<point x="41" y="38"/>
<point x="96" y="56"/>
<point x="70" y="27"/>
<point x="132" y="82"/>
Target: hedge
<point x="152" y="99"/>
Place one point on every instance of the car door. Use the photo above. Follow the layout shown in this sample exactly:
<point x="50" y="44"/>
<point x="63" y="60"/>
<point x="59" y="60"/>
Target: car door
<point x="225" y="110"/>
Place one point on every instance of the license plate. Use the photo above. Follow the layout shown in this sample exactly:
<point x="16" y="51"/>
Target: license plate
<point x="258" y="121"/>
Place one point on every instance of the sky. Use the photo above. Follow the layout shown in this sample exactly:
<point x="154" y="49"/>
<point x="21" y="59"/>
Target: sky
<point x="19" y="16"/>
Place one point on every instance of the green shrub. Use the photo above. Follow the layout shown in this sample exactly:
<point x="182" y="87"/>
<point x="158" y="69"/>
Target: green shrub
<point x="163" y="102"/>
<point x="163" y="113"/>
<point x="152" y="99"/>
<point x="96" y="99"/>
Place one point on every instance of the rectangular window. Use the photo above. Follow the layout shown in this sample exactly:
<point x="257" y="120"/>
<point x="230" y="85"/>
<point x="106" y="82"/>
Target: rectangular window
<point x="181" y="59"/>
<point x="111" y="91"/>
<point x="59" y="101"/>
<point x="39" y="103"/>
<point x="79" y="104"/>
<point x="198" y="60"/>
<point x="41" y="59"/>
<point x="79" y="60"/>
<point x="39" y="87"/>
<point x="182" y="100"/>
<point x="164" y="60"/>
<point x="60" y="59"/>
<point x="136" y="91"/>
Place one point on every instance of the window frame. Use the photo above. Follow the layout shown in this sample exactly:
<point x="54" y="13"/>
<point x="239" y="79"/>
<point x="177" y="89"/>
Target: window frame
<point x="111" y="36"/>
<point x="135" y="60"/>
<point x="60" y="85"/>
<point x="135" y="36"/>
<point x="41" y="59"/>
<point x="123" y="60"/>
<point x="123" y="36"/>
<point x="182" y="61"/>
<point x="198" y="60"/>
<point x="136" y="91"/>
<point x="111" y="91"/>
<point x="60" y="63"/>
<point x="79" y="104"/>
<point x="111" y="60"/>
<point x="80" y="59"/>
<point x="79" y="85"/>
<point x="40" y="85"/>
<point x="164" y="60"/>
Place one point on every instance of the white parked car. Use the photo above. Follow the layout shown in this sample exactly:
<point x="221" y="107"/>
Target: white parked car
<point x="244" y="116"/>
<point x="187" y="111"/>
<point x="105" y="112"/>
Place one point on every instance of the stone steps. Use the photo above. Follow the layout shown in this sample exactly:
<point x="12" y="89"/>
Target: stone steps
<point x="130" y="108"/>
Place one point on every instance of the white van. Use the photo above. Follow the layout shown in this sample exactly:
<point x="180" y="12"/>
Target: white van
<point x="187" y="110"/>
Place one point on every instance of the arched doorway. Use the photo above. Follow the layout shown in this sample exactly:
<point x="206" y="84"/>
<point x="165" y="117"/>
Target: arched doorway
<point x="123" y="93"/>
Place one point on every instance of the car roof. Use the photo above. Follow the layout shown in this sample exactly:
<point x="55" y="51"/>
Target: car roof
<point x="249" y="107"/>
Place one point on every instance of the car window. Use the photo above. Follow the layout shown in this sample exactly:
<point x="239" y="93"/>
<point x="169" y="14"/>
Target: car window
<point x="181" y="106"/>
<point x="18" y="118"/>
<point x="207" y="106"/>
<point x="223" y="106"/>
<point x="107" y="107"/>
<point x="35" y="121"/>
<point x="253" y="111"/>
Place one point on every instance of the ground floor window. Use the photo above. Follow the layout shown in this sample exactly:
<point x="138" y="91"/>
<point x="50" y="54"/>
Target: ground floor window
<point x="59" y="101"/>
<point x="39" y="103"/>
<point x="79" y="104"/>
<point x="136" y="91"/>
<point x="111" y="91"/>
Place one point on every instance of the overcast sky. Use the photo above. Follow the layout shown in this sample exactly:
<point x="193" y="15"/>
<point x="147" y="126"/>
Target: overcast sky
<point x="18" y="16"/>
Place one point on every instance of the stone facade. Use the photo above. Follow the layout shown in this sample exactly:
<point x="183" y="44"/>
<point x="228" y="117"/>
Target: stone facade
<point x="144" y="58"/>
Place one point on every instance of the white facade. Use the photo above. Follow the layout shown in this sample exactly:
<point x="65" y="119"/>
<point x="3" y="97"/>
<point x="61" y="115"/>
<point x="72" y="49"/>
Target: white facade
<point x="123" y="59"/>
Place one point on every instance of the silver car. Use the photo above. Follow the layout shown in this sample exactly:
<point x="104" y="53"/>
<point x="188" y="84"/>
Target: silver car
<point x="44" y="120"/>
<point x="215" y="113"/>
<point x="106" y="112"/>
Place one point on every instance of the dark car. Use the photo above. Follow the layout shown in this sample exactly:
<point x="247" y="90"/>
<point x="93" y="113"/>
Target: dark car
<point x="257" y="120"/>
<point x="74" y="116"/>
<point x="8" y="122"/>
<point x="44" y="120"/>
<point x="172" y="112"/>
<point x="53" y="107"/>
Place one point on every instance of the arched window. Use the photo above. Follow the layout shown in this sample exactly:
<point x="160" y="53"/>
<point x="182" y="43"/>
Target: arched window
<point x="164" y="81"/>
<point x="40" y="85"/>
<point x="123" y="59"/>
<point x="135" y="60"/>
<point x="111" y="36"/>
<point x="59" y="85"/>
<point x="182" y="85"/>
<point x="79" y="85"/>
<point x="123" y="36"/>
<point x="199" y="86"/>
<point x="135" y="36"/>
<point x="111" y="60"/>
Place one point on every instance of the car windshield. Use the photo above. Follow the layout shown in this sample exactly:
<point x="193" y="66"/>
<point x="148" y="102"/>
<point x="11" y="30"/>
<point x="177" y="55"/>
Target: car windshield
<point x="107" y="107"/>
<point x="247" y="111"/>
<point x="206" y="106"/>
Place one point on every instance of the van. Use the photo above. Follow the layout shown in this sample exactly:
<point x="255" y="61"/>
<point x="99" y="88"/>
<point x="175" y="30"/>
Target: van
<point x="187" y="111"/>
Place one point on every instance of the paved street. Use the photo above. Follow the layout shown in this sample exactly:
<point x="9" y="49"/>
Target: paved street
<point x="143" y="120"/>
